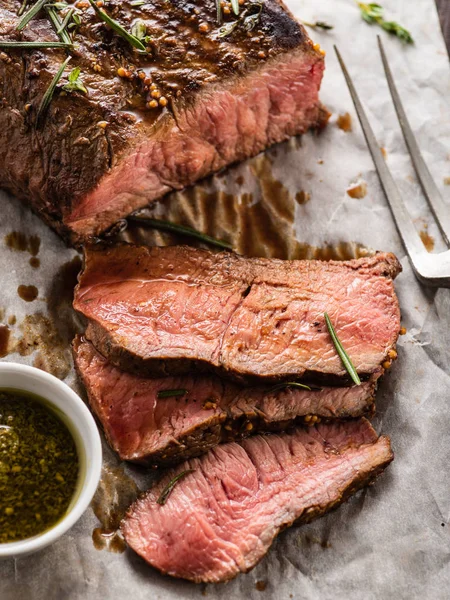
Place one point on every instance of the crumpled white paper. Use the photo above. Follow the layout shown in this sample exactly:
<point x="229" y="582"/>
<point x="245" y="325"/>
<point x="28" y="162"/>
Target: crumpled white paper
<point x="392" y="540"/>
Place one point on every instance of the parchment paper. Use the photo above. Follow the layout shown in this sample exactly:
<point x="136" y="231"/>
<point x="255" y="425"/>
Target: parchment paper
<point x="393" y="540"/>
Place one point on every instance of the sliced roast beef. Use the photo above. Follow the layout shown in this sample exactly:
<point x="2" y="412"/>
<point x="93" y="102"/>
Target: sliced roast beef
<point x="171" y="310"/>
<point x="196" y="100"/>
<point x="143" y="427"/>
<point x="221" y="518"/>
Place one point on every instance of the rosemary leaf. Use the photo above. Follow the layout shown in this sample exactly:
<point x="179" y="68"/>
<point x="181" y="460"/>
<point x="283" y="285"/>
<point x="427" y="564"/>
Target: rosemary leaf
<point x="30" y="14"/>
<point x="227" y="29"/>
<point x="373" y="13"/>
<point x="57" y="22"/>
<point x="342" y="353"/>
<point x="235" y="6"/>
<point x="65" y="21"/>
<point x="294" y="384"/>
<point x="179" y="229"/>
<point x="171" y="393"/>
<point x="31" y="45"/>
<point x="137" y="3"/>
<point x="218" y="12"/>
<point x="131" y="39"/>
<point x="318" y="25"/>
<point x="172" y="483"/>
<point x="47" y="98"/>
<point x="22" y="8"/>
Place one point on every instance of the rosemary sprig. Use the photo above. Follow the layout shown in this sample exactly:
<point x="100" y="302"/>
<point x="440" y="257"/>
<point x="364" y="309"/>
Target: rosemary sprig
<point x="373" y="13"/>
<point x="342" y="353"/>
<point x="30" y="14"/>
<point x="137" y="3"/>
<point x="248" y="21"/>
<point x="31" y="45"/>
<point x="219" y="12"/>
<point x="66" y="21"/>
<point x="47" y="98"/>
<point x="169" y="487"/>
<point x="235" y="6"/>
<point x="295" y="384"/>
<point x="52" y="13"/>
<point x="130" y="38"/>
<point x="171" y="393"/>
<point x="75" y="83"/>
<point x="318" y="25"/>
<point x="22" y="8"/>
<point x="179" y="229"/>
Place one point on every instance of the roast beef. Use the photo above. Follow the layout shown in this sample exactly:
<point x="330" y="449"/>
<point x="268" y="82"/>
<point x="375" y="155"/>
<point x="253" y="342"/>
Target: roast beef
<point x="174" y="309"/>
<point x="221" y="518"/>
<point x="142" y="427"/>
<point x="152" y="121"/>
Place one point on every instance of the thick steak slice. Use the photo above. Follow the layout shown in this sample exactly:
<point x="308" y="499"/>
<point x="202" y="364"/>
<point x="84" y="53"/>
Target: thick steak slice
<point x="222" y="518"/>
<point x="144" y="428"/>
<point x="170" y="310"/>
<point x="151" y="122"/>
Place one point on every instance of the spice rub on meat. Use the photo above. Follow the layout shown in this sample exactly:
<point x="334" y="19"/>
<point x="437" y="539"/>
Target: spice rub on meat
<point x="197" y="99"/>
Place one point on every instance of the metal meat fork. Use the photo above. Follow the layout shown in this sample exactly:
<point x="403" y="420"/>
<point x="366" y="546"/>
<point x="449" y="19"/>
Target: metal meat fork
<point x="430" y="269"/>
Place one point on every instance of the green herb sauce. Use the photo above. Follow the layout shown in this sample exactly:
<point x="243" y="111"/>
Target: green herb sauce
<point x="38" y="466"/>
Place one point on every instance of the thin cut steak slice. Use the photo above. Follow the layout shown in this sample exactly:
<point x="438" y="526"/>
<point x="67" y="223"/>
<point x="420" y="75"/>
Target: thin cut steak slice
<point x="151" y="122"/>
<point x="144" y="428"/>
<point x="221" y="519"/>
<point x="171" y="310"/>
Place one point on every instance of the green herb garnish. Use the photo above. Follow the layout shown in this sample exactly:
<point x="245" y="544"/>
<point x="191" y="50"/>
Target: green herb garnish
<point x="31" y="45"/>
<point x="137" y="3"/>
<point x="47" y="98"/>
<point x="169" y="487"/>
<point x="179" y="229"/>
<point x="139" y="30"/>
<point x="22" y="8"/>
<point x="66" y="20"/>
<point x="130" y="38"/>
<point x="235" y="6"/>
<point x="75" y="83"/>
<point x="318" y="25"/>
<point x="373" y="13"/>
<point x="342" y="353"/>
<point x="171" y="393"/>
<point x="30" y="14"/>
<point x="248" y="21"/>
<point x="227" y="28"/>
<point x="52" y="13"/>
<point x="219" y="12"/>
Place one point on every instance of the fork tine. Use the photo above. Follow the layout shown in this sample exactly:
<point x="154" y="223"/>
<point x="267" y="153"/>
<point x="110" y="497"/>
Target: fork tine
<point x="440" y="211"/>
<point x="405" y="226"/>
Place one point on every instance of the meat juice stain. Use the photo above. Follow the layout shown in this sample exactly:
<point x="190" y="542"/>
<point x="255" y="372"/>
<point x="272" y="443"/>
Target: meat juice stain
<point x="302" y="197"/>
<point x="261" y="586"/>
<point x="359" y="191"/>
<point x="16" y="240"/>
<point x="344" y="122"/>
<point x="60" y="298"/>
<point x="5" y="334"/>
<point x="115" y="493"/>
<point x="427" y="239"/>
<point x="35" y="262"/>
<point x="28" y="293"/>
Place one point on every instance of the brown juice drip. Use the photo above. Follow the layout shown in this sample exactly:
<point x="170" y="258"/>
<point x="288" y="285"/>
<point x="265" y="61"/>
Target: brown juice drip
<point x="35" y="262"/>
<point x="115" y="493"/>
<point x="261" y="586"/>
<point x="358" y="192"/>
<point x="12" y="320"/>
<point x="29" y="293"/>
<point x="427" y="239"/>
<point x="302" y="197"/>
<point x="16" y="240"/>
<point x="40" y="336"/>
<point x="344" y="122"/>
<point x="5" y="334"/>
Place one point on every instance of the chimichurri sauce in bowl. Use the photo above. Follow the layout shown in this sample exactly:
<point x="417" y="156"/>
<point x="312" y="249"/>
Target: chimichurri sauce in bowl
<point x="39" y="466"/>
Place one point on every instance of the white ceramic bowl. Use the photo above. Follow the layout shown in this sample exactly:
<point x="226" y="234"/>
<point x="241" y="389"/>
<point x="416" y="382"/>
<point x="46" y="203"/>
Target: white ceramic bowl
<point x="72" y="410"/>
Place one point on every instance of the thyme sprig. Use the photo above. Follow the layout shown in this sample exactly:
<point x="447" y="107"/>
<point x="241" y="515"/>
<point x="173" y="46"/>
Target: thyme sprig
<point x="31" y="45"/>
<point x="318" y="25"/>
<point x="30" y="14"/>
<point x="179" y="229"/>
<point x="169" y="487"/>
<point x="117" y="27"/>
<point x="75" y="83"/>
<point x="47" y="98"/>
<point x="171" y="393"/>
<point x="341" y="351"/>
<point x="373" y="13"/>
<point x="247" y="19"/>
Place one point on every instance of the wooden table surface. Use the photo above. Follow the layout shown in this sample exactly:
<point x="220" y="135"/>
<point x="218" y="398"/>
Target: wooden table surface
<point x="444" y="15"/>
